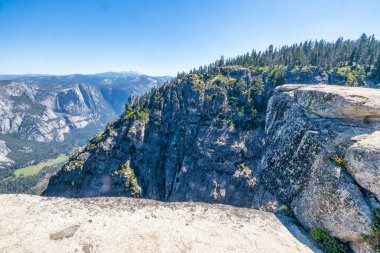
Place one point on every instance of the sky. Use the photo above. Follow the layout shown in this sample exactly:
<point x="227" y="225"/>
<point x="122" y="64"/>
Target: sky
<point x="162" y="37"/>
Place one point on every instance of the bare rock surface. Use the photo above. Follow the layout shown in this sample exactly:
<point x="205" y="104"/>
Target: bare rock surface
<point x="39" y="224"/>
<point x="363" y="162"/>
<point x="332" y="101"/>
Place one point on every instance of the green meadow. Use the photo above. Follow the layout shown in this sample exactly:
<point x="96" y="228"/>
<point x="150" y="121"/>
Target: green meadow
<point x="35" y="169"/>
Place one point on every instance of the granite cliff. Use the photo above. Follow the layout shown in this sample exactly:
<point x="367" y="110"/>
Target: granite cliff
<point x="43" y="115"/>
<point x="228" y="138"/>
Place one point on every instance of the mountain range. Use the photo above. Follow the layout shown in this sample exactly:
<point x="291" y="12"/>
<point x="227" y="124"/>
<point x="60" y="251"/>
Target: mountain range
<point x="45" y="116"/>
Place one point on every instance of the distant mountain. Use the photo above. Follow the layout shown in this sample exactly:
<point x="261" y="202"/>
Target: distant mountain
<point x="115" y="87"/>
<point x="43" y="116"/>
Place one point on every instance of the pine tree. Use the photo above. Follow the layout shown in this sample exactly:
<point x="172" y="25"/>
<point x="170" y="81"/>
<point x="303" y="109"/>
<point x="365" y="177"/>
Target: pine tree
<point x="361" y="54"/>
<point x="376" y="73"/>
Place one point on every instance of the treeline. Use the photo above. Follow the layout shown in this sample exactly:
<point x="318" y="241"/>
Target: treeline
<point x="363" y="52"/>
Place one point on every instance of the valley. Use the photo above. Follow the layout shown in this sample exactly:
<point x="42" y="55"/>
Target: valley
<point x="35" y="169"/>
<point x="45" y="116"/>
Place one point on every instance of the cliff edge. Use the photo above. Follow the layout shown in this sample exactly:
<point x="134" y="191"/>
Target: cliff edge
<point x="39" y="224"/>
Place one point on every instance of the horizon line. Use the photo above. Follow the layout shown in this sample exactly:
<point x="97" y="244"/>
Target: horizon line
<point x="86" y="74"/>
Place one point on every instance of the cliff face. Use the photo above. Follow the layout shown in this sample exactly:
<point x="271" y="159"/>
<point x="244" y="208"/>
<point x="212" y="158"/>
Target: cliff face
<point x="209" y="139"/>
<point x="42" y="115"/>
<point x="187" y="142"/>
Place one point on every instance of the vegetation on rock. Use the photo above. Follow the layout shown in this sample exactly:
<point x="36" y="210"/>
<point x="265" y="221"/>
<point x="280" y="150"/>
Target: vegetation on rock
<point x="131" y="184"/>
<point x="339" y="161"/>
<point x="373" y="239"/>
<point x="328" y="243"/>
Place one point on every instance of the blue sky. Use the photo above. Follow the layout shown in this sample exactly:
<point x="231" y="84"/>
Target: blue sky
<point x="160" y="37"/>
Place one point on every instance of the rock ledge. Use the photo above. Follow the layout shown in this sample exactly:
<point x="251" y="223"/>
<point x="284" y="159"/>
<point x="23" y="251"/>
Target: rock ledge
<point x="39" y="224"/>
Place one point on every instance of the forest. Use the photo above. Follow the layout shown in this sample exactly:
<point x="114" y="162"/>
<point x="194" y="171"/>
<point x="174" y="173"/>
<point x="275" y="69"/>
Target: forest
<point x="355" y="58"/>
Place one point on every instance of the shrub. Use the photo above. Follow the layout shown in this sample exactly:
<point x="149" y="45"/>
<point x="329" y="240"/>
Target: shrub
<point x="131" y="184"/>
<point x="283" y="208"/>
<point x="219" y="76"/>
<point x="137" y="114"/>
<point x="231" y="82"/>
<point x="233" y="99"/>
<point x="143" y="114"/>
<point x="328" y="243"/>
<point x="128" y="108"/>
<point x="130" y="115"/>
<point x="199" y="86"/>
<point x="373" y="239"/>
<point x="98" y="138"/>
<point x="339" y="161"/>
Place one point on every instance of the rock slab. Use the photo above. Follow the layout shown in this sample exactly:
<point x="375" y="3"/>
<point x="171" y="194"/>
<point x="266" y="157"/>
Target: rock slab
<point x="39" y="224"/>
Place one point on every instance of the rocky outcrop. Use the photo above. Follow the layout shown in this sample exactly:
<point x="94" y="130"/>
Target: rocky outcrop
<point x="36" y="224"/>
<point x="322" y="155"/>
